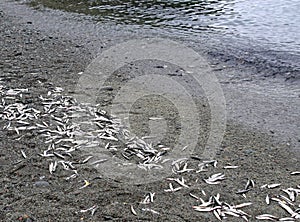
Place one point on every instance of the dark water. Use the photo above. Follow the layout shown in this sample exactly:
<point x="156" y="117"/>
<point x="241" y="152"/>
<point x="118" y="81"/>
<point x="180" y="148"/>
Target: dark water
<point x="272" y="22"/>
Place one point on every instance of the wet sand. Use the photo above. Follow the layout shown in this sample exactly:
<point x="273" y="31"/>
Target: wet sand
<point x="40" y="50"/>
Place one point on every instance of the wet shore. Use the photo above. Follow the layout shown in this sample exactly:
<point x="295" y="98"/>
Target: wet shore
<point x="43" y="49"/>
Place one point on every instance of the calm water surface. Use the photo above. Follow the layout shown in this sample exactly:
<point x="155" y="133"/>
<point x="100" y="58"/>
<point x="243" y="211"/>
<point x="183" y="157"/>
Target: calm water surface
<point x="275" y="23"/>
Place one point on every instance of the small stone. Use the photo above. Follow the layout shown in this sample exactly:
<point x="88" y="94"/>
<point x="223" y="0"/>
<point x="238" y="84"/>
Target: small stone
<point x="18" y="53"/>
<point x="249" y="151"/>
<point x="41" y="184"/>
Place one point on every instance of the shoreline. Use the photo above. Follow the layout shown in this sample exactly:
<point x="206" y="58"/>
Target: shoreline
<point x="235" y="67"/>
<point x="36" y="52"/>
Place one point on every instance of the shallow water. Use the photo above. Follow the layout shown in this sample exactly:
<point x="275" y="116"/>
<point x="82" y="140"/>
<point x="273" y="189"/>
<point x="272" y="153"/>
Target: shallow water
<point x="275" y="23"/>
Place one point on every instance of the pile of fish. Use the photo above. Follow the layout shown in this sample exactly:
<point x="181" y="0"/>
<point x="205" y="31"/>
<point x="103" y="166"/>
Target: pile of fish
<point x="66" y="126"/>
<point x="222" y="210"/>
<point x="287" y="201"/>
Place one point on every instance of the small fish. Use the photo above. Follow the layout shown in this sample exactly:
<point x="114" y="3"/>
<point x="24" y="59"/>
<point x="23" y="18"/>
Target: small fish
<point x="267" y="199"/>
<point x="232" y="213"/>
<point x="52" y="167"/>
<point x="17" y="130"/>
<point x="272" y="186"/>
<point x="292" y="193"/>
<point x="146" y="200"/>
<point x="92" y="209"/>
<point x="263" y="186"/>
<point x="133" y="210"/>
<point x="249" y="184"/>
<point x="151" y="195"/>
<point x="185" y="147"/>
<point x="155" y="118"/>
<point x="150" y="210"/>
<point x="194" y="196"/>
<point x="287" y="219"/>
<point x="87" y="159"/>
<point x="215" y="178"/>
<point x="23" y="154"/>
<point x="230" y="167"/>
<point x="172" y="189"/>
<point x="266" y="217"/>
<point x="59" y="155"/>
<point x="86" y="183"/>
<point x="286" y="208"/>
<point x="206" y="209"/>
<point x="99" y="161"/>
<point x="276" y="199"/>
<point x="242" y="205"/>
<point x="181" y="182"/>
<point x="211" y="183"/>
<point x="217" y="215"/>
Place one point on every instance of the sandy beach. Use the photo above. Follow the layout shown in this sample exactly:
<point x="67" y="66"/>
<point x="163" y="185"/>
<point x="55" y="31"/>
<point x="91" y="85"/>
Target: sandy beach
<point x="42" y="49"/>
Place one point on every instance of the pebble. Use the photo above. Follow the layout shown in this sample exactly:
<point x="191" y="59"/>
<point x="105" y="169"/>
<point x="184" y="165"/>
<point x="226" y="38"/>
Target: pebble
<point x="41" y="184"/>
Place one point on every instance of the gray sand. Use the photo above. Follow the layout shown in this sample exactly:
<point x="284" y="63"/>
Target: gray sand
<point x="46" y="48"/>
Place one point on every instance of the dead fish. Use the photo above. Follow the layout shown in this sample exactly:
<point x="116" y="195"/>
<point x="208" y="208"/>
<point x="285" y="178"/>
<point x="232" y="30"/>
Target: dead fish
<point x="184" y="148"/>
<point x="230" y="167"/>
<point x="150" y="210"/>
<point x="146" y="200"/>
<point x="267" y="199"/>
<point x="86" y="183"/>
<point x="263" y="186"/>
<point x="276" y="199"/>
<point x="87" y="159"/>
<point x="194" y="196"/>
<point x="172" y="189"/>
<point x="286" y="208"/>
<point x="272" y="186"/>
<point x="215" y="178"/>
<point x="249" y="184"/>
<point x="23" y="154"/>
<point x="266" y="217"/>
<point x="155" y="118"/>
<point x="181" y="182"/>
<point x="211" y="162"/>
<point x="133" y="210"/>
<point x="52" y="167"/>
<point x="287" y="219"/>
<point x="242" y="205"/>
<point x="211" y="183"/>
<point x="99" y="161"/>
<point x="217" y="214"/>
<point x="232" y="213"/>
<point x="286" y="199"/>
<point x="59" y="155"/>
<point x="206" y="209"/>
<point x="292" y="193"/>
<point x="92" y="209"/>
<point x="149" y="198"/>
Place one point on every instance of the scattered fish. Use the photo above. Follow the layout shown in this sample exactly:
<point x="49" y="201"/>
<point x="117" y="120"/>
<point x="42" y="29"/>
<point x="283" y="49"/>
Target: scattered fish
<point x="133" y="210"/>
<point x="23" y="154"/>
<point x="215" y="178"/>
<point x="51" y="121"/>
<point x="150" y="210"/>
<point x="86" y="183"/>
<point x="220" y="209"/>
